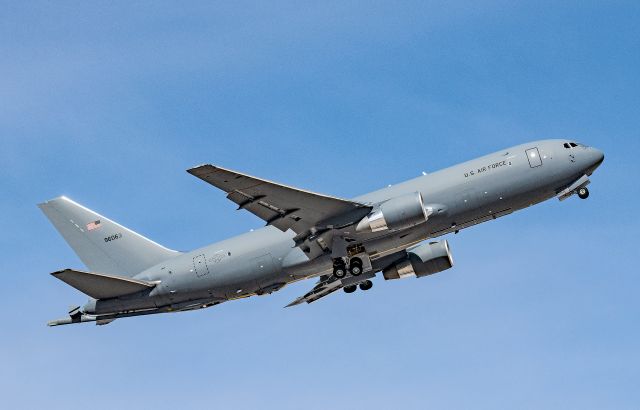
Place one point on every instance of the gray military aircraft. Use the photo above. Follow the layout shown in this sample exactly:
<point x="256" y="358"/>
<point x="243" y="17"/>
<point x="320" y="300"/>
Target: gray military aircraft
<point x="344" y="242"/>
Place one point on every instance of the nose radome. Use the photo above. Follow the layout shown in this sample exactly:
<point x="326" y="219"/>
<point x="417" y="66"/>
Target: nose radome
<point x="597" y="158"/>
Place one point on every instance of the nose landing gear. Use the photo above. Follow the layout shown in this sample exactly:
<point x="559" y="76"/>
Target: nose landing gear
<point x="583" y="193"/>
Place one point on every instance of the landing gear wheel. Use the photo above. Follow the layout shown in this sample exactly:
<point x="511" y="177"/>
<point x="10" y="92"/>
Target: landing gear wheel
<point x="583" y="193"/>
<point x="355" y="266"/>
<point x="350" y="289"/>
<point x="355" y="270"/>
<point x="339" y="271"/>
<point x="366" y="285"/>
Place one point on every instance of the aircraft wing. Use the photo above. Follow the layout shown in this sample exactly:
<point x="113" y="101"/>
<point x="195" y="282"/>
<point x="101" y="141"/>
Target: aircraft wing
<point x="329" y="284"/>
<point x="280" y="205"/>
<point x="324" y="287"/>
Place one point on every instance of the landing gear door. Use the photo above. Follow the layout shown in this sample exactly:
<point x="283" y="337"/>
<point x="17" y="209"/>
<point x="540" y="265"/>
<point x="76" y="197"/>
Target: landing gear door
<point x="533" y="155"/>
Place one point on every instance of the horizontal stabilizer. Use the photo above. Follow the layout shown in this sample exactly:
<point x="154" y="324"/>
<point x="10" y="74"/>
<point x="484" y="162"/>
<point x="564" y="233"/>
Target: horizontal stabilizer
<point x="100" y="286"/>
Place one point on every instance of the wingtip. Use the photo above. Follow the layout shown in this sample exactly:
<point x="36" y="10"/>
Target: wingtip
<point x="294" y="303"/>
<point x="58" y="272"/>
<point x="60" y="322"/>
<point x="193" y="170"/>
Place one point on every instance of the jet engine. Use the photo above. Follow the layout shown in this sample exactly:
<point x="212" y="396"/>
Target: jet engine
<point x="423" y="260"/>
<point x="397" y="213"/>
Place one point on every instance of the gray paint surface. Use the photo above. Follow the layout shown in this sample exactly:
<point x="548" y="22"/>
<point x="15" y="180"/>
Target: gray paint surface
<point x="264" y="260"/>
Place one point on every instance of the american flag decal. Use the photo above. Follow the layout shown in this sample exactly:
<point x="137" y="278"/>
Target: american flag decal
<point x="93" y="225"/>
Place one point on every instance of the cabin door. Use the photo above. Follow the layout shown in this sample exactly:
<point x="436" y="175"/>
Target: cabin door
<point x="533" y="155"/>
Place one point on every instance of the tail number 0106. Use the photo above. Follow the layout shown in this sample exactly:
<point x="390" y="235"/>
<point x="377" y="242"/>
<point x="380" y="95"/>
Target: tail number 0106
<point x="113" y="237"/>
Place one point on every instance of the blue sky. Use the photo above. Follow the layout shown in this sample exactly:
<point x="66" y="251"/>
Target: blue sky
<point x="109" y="103"/>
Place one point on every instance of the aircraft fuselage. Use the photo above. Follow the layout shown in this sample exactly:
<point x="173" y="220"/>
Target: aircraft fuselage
<point x="264" y="260"/>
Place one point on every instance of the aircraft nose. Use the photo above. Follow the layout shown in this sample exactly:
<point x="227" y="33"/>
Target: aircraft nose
<point x="597" y="157"/>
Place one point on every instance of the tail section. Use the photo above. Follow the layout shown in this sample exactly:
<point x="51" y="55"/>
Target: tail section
<point x="103" y="245"/>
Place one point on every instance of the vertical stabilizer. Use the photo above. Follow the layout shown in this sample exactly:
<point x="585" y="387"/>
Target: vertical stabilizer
<point x="103" y="245"/>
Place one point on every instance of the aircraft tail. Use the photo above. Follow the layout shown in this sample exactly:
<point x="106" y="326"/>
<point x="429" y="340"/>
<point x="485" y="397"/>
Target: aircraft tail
<point x="103" y="245"/>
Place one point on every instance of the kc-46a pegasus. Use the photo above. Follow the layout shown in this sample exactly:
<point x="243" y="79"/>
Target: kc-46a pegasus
<point x="342" y="242"/>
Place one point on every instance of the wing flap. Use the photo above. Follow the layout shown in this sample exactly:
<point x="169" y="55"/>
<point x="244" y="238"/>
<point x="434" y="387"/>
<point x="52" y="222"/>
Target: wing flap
<point x="100" y="286"/>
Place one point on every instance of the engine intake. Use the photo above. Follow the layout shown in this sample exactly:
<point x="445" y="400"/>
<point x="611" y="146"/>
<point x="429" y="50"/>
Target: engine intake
<point x="423" y="260"/>
<point x="397" y="213"/>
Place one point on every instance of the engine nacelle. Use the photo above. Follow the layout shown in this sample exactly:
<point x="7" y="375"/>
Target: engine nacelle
<point x="423" y="260"/>
<point x="397" y="213"/>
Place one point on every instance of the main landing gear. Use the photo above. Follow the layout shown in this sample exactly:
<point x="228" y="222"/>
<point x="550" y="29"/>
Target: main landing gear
<point x="366" y="285"/>
<point x="583" y="193"/>
<point x="355" y="268"/>
<point x="340" y="268"/>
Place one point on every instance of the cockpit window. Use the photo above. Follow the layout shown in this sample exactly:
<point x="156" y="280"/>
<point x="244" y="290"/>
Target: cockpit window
<point x="573" y="144"/>
<point x="570" y="145"/>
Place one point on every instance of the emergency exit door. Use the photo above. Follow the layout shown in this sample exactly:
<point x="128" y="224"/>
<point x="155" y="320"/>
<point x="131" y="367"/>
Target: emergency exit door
<point x="200" y="265"/>
<point x="533" y="155"/>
